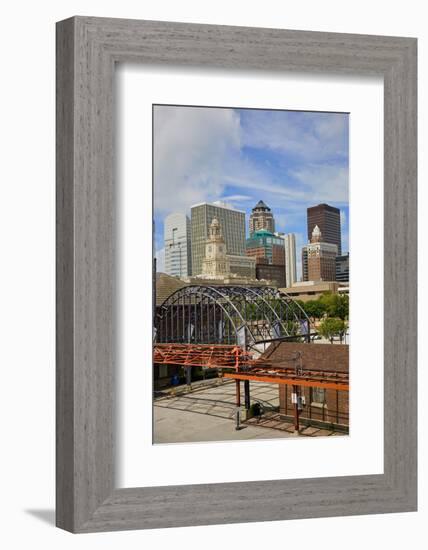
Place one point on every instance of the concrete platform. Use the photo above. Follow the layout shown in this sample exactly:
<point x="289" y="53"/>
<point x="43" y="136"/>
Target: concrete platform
<point x="207" y="413"/>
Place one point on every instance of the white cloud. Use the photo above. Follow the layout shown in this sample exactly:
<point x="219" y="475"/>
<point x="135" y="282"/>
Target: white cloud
<point x="329" y="183"/>
<point x="192" y="148"/>
<point x="248" y="177"/>
<point x="198" y="154"/>
<point x="236" y="198"/>
<point x="314" y="136"/>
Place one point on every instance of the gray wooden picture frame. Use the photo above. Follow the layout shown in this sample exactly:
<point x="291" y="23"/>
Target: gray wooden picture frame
<point x="87" y="51"/>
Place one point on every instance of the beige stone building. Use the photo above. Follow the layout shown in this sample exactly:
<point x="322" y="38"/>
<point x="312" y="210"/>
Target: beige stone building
<point x="312" y="290"/>
<point x="232" y="223"/>
<point x="219" y="267"/>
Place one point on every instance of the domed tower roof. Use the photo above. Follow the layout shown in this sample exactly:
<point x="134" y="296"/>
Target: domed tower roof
<point x="215" y="229"/>
<point x="261" y="206"/>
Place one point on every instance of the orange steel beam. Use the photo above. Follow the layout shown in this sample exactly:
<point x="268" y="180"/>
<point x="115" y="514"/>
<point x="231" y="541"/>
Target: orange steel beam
<point x="289" y="381"/>
<point x="192" y="355"/>
<point x="234" y="357"/>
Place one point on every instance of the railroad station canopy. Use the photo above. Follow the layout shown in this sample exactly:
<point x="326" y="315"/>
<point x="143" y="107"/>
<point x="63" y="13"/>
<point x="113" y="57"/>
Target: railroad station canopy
<point x="246" y="316"/>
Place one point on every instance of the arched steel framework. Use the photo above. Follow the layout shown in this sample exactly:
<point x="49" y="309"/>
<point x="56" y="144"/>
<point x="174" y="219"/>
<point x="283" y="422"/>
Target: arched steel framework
<point x="200" y="314"/>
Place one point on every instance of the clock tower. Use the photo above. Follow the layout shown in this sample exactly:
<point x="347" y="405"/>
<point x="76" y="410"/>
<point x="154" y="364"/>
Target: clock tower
<point x="216" y="263"/>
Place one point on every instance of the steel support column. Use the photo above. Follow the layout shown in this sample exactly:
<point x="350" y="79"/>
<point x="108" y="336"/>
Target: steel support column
<point x="247" y="394"/>
<point x="296" y="408"/>
<point x="238" y="393"/>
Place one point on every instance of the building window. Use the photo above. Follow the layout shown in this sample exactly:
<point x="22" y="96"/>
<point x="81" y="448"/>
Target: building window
<point x="318" y="397"/>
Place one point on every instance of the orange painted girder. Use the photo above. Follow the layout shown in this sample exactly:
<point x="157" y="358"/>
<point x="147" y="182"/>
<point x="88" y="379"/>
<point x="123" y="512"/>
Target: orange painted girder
<point x="197" y="355"/>
<point x="289" y="381"/>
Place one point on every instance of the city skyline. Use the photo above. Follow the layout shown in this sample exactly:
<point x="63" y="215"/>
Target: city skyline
<point x="289" y="160"/>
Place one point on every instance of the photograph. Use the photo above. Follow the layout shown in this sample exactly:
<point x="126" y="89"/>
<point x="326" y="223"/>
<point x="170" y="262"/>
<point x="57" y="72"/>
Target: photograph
<point x="184" y="364"/>
<point x="251" y="328"/>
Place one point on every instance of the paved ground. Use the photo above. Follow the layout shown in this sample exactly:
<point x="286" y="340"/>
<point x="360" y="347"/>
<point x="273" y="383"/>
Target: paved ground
<point x="208" y="414"/>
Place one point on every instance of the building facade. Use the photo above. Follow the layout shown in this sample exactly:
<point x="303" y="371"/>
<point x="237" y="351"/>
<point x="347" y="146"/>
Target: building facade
<point x="232" y="223"/>
<point x="342" y="268"/>
<point x="243" y="266"/>
<point x="216" y="263"/>
<point x="304" y="264"/>
<point x="268" y="252"/>
<point x="327" y="218"/>
<point x="219" y="267"/>
<point x="261" y="217"/>
<point x="178" y="257"/>
<point x="266" y="247"/>
<point x="321" y="258"/>
<point x="274" y="274"/>
<point x="312" y="290"/>
<point x="323" y="408"/>
<point x="290" y="259"/>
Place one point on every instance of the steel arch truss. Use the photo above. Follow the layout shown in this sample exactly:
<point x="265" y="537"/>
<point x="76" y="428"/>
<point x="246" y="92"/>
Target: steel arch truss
<point x="246" y="316"/>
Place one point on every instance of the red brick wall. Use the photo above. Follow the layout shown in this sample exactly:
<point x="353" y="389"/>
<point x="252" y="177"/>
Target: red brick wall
<point x="335" y="409"/>
<point x="321" y="269"/>
<point x="278" y="254"/>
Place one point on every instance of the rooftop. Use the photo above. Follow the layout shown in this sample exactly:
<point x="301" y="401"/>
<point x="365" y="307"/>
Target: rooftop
<point x="165" y="286"/>
<point x="217" y="204"/>
<point x="261" y="233"/>
<point x="313" y="355"/>
<point x="261" y="204"/>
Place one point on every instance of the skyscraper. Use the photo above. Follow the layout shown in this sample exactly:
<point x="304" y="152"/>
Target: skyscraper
<point x="290" y="259"/>
<point x="261" y="217"/>
<point x="327" y="218"/>
<point x="304" y="264"/>
<point x="266" y="247"/>
<point x="321" y="258"/>
<point x="342" y="268"/>
<point x="269" y="252"/>
<point x="232" y="223"/>
<point x="176" y="232"/>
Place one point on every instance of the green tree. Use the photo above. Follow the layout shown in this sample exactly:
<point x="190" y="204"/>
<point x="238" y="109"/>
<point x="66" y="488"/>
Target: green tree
<point x="314" y="309"/>
<point x="336" y="305"/>
<point x="292" y="327"/>
<point x="331" y="327"/>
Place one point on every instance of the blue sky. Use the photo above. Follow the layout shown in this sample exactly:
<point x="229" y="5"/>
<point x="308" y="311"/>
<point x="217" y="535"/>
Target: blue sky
<point x="290" y="160"/>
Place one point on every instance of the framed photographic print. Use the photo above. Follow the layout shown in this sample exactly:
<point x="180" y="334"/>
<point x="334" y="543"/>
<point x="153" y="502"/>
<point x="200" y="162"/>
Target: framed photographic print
<point x="236" y="274"/>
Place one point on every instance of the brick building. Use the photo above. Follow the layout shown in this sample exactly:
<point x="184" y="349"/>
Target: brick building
<point x="269" y="252"/>
<point x="321" y="258"/>
<point x="275" y="274"/>
<point x="327" y="218"/>
<point x="323" y="407"/>
<point x="266" y="248"/>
